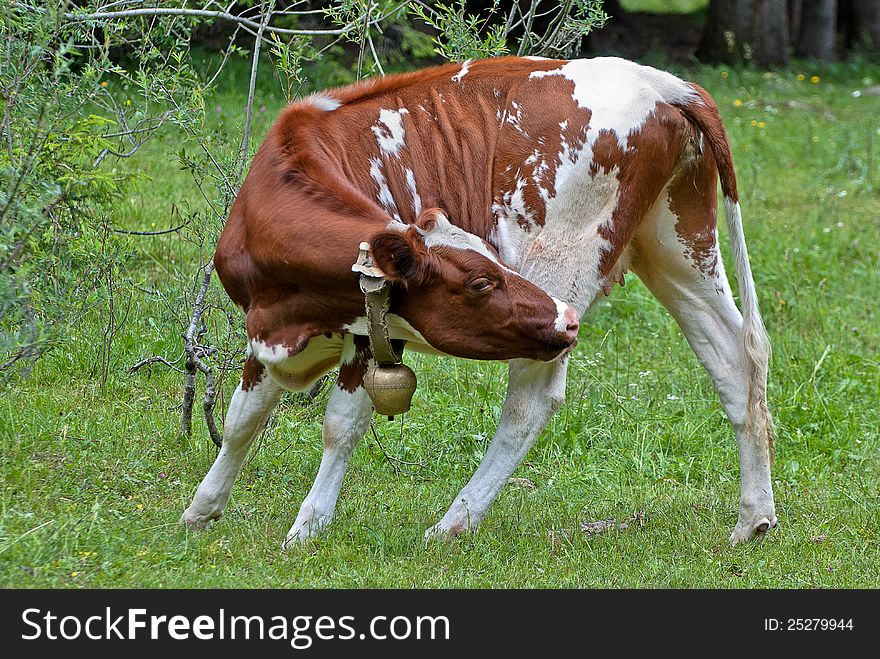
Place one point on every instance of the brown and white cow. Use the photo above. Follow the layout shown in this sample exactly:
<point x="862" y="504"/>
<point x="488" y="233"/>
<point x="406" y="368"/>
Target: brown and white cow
<point x="568" y="172"/>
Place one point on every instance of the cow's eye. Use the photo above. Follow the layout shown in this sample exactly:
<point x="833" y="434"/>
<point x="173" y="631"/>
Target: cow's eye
<point x="481" y="286"/>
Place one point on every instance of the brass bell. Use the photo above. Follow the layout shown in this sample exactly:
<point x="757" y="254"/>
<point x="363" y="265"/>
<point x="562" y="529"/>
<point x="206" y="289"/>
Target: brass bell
<point x="390" y="387"/>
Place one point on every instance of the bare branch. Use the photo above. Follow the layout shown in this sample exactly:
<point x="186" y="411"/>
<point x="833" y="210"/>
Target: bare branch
<point x="394" y="461"/>
<point x="197" y="13"/>
<point x="375" y="56"/>
<point x="152" y="233"/>
<point x="364" y="33"/>
<point x="194" y="362"/>
<point x="527" y="36"/>
<point x="23" y="352"/>
<point x="242" y="153"/>
<point x="226" y="54"/>
<point x="155" y="359"/>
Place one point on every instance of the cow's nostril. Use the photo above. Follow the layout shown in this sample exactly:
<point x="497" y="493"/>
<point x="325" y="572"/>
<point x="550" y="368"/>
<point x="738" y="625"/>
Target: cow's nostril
<point x="572" y="323"/>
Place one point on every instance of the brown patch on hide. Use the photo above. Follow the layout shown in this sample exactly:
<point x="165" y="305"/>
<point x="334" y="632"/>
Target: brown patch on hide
<point x="351" y="374"/>
<point x="534" y="141"/>
<point x="643" y="170"/>
<point x="693" y="200"/>
<point x="252" y="373"/>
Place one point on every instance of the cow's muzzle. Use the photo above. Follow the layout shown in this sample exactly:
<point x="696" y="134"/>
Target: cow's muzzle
<point x="564" y="335"/>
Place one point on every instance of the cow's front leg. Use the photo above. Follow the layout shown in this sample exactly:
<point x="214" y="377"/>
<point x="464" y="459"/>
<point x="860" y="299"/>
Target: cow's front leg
<point x="251" y="405"/>
<point x="345" y="423"/>
<point x="535" y="390"/>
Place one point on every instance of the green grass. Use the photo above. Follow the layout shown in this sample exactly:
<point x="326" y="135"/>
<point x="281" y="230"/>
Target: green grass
<point x="94" y="478"/>
<point x="665" y="6"/>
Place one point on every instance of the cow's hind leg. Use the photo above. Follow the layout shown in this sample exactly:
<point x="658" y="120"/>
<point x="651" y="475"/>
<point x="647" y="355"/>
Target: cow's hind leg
<point x="253" y="401"/>
<point x="534" y="391"/>
<point x="345" y="423"/>
<point x="688" y="278"/>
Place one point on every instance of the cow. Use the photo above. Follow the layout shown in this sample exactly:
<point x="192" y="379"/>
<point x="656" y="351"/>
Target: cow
<point x="500" y="199"/>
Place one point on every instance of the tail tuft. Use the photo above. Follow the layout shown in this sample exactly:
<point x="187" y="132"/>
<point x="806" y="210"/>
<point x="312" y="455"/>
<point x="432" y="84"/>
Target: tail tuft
<point x="755" y="342"/>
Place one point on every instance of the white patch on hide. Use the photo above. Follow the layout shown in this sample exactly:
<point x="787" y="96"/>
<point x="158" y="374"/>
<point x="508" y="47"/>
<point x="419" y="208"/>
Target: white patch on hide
<point x="385" y="196"/>
<point x="446" y="234"/>
<point x="463" y="72"/>
<point x="389" y="131"/>
<point x="620" y="94"/>
<point x="411" y="184"/>
<point x="323" y="101"/>
<point x="300" y="371"/>
<point x="563" y="259"/>
<point x="561" y="323"/>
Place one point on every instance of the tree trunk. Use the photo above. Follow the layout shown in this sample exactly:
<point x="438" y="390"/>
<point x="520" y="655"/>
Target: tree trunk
<point x="817" y="36"/>
<point x="751" y="30"/>
<point x="770" y="33"/>
<point x="866" y="20"/>
<point x="795" y="12"/>
<point x="727" y="22"/>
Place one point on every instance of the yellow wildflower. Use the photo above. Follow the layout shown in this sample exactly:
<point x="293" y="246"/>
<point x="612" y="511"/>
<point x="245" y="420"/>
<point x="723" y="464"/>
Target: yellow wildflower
<point x="815" y="79"/>
<point x="754" y="122"/>
<point x="761" y="124"/>
<point x="104" y="84"/>
<point x="737" y="103"/>
<point x="801" y="76"/>
<point x="724" y="74"/>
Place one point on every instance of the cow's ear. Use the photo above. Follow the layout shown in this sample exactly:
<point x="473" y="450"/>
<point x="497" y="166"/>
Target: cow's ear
<point x="402" y="257"/>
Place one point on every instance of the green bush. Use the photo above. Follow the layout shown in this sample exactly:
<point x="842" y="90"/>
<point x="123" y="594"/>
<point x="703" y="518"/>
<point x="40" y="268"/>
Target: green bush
<point x="70" y="113"/>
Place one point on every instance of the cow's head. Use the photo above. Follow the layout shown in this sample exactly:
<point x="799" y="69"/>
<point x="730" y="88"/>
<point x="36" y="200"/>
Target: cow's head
<point x="464" y="300"/>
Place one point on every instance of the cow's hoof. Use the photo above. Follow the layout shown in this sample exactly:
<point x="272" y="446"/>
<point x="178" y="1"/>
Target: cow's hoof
<point x="301" y="532"/>
<point x="198" y="521"/>
<point x="294" y="540"/>
<point x="435" y="534"/>
<point x="751" y="530"/>
<point x="443" y="532"/>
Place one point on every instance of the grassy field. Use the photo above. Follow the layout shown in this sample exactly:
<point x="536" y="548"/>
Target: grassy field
<point x="664" y="6"/>
<point x="95" y="477"/>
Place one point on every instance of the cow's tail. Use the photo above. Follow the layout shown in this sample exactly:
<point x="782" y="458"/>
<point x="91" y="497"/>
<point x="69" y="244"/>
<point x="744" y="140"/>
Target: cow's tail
<point x="702" y="111"/>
